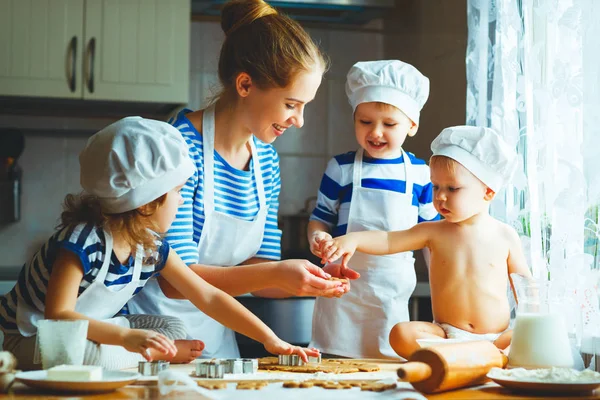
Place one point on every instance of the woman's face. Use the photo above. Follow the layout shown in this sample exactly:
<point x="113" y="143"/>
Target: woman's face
<point x="270" y="112"/>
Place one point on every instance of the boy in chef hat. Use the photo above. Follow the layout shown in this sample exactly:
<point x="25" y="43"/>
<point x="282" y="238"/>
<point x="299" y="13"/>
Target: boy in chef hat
<point x="378" y="187"/>
<point x="106" y="249"/>
<point x="472" y="253"/>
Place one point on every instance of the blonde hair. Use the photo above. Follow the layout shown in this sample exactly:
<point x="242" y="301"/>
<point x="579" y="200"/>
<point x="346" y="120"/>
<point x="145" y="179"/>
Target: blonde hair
<point x="269" y="46"/>
<point x="386" y="107"/>
<point x="132" y="225"/>
<point x="443" y="163"/>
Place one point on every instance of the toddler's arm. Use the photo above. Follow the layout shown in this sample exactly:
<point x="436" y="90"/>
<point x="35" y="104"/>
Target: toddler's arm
<point x="225" y="309"/>
<point x="317" y="232"/>
<point x="63" y="288"/>
<point x="516" y="262"/>
<point x="376" y="242"/>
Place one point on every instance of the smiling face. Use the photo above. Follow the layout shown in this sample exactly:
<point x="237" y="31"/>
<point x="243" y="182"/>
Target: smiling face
<point x="457" y="194"/>
<point x="381" y="129"/>
<point x="269" y="112"/>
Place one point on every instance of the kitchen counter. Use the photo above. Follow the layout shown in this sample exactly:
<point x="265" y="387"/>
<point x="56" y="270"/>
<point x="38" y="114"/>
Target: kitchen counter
<point x="149" y="390"/>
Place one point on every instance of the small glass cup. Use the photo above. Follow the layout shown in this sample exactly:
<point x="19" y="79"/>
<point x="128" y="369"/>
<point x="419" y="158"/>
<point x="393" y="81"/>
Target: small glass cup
<point x="61" y="341"/>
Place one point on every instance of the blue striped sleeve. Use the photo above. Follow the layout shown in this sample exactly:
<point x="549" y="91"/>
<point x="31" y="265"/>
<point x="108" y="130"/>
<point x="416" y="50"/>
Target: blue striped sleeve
<point x="328" y="197"/>
<point x="271" y="244"/>
<point x="181" y="234"/>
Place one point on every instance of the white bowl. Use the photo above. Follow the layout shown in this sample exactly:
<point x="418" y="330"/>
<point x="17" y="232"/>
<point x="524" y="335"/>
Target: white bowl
<point x="434" y="341"/>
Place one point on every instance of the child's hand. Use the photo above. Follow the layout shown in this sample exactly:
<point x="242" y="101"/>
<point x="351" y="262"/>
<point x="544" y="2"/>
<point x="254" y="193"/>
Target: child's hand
<point x="316" y="239"/>
<point x="340" y="271"/>
<point x="343" y="246"/>
<point x="141" y="340"/>
<point x="278" y="346"/>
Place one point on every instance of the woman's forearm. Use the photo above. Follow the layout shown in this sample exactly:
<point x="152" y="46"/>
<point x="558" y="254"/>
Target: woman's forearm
<point x="232" y="280"/>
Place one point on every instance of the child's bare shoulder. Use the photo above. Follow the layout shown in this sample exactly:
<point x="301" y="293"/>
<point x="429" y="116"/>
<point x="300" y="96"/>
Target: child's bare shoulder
<point x="506" y="232"/>
<point x="437" y="228"/>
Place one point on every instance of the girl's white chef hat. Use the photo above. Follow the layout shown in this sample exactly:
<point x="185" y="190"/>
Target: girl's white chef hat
<point x="132" y="162"/>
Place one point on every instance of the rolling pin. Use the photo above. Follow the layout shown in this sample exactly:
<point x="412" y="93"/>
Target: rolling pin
<point x="450" y="366"/>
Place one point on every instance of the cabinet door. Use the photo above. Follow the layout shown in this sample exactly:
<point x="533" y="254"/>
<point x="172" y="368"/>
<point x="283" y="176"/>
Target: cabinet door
<point x="39" y="47"/>
<point x="137" y="50"/>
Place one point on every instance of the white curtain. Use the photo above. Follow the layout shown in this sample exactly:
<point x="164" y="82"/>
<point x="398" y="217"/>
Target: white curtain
<point x="533" y="74"/>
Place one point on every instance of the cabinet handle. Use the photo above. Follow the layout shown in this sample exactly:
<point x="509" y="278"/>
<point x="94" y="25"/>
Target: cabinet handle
<point x="92" y="56"/>
<point x="73" y="57"/>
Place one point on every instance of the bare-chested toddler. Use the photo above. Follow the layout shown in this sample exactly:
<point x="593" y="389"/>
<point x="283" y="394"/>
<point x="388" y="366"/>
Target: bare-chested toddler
<point x="472" y="253"/>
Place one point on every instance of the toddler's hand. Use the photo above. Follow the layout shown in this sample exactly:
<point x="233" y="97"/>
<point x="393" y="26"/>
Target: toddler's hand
<point x="343" y="246"/>
<point x="342" y="272"/>
<point x="141" y="340"/>
<point x="278" y="346"/>
<point x="316" y="239"/>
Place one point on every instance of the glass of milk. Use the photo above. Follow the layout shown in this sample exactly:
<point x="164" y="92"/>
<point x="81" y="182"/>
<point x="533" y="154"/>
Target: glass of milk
<point x="540" y="338"/>
<point x="61" y="341"/>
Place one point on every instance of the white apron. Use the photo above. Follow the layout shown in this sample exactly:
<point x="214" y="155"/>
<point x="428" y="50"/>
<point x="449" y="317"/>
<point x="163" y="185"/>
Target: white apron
<point x="97" y="301"/>
<point x="358" y="324"/>
<point x="225" y="241"/>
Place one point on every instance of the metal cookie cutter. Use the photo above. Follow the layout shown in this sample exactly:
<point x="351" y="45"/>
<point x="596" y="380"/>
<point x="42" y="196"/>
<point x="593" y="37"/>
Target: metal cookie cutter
<point x="209" y="369"/>
<point x="233" y="366"/>
<point x="150" y="368"/>
<point x="295" y="360"/>
<point x="290" y="360"/>
<point x="314" y="360"/>
<point x="249" y="365"/>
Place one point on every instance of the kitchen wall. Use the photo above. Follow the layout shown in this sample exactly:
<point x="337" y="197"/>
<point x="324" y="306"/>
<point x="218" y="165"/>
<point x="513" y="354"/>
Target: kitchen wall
<point x="50" y="160"/>
<point x="432" y="35"/>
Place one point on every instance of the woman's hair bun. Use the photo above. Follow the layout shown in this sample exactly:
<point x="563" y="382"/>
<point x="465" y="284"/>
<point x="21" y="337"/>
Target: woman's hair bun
<point x="237" y="13"/>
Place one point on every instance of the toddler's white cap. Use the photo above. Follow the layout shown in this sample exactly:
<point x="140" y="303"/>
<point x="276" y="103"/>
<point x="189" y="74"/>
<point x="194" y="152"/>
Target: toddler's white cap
<point x="480" y="150"/>
<point x="388" y="81"/>
<point x="132" y="162"/>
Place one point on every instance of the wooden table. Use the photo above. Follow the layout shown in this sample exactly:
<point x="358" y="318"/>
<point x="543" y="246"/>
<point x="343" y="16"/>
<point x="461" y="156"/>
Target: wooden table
<point x="150" y="391"/>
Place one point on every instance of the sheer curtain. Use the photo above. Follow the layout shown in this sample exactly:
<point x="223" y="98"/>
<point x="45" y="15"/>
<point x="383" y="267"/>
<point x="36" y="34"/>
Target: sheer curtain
<point x="533" y="74"/>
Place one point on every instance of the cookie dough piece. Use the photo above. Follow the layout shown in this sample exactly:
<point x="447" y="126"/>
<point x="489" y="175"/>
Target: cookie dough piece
<point x="213" y="386"/>
<point x="378" y="387"/>
<point x="251" y="385"/>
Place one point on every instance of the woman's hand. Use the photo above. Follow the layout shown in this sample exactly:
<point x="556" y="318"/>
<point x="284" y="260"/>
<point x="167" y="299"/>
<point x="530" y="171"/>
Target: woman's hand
<point x="303" y="278"/>
<point x="342" y="246"/>
<point x="278" y="346"/>
<point x="315" y="240"/>
<point x="142" y="340"/>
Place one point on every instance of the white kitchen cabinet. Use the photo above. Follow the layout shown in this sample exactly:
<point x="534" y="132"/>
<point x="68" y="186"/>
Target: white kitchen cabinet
<point x="131" y="50"/>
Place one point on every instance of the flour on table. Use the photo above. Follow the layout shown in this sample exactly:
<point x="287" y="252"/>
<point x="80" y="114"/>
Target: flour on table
<point x="549" y="375"/>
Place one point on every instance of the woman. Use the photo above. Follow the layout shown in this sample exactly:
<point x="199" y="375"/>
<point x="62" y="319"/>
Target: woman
<point x="269" y="69"/>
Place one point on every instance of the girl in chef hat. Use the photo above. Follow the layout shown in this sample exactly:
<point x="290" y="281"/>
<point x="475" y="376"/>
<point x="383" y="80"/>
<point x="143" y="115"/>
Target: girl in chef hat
<point x="108" y="246"/>
<point x="380" y="186"/>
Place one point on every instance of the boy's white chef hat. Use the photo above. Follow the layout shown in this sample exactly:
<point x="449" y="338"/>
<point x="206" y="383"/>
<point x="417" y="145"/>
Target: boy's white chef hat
<point x="132" y="162"/>
<point x="480" y="150"/>
<point x="388" y="81"/>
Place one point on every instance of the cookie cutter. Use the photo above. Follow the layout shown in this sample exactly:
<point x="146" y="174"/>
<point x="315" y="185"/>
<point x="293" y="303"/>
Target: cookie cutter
<point x="210" y="369"/>
<point x="314" y="360"/>
<point x="233" y="366"/>
<point x="294" y="360"/>
<point x="151" y="368"/>
<point x="249" y="365"/>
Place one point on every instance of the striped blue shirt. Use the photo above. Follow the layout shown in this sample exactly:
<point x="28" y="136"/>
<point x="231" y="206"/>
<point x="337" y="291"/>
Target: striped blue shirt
<point x="335" y="192"/>
<point x="235" y="194"/>
<point x="88" y="243"/>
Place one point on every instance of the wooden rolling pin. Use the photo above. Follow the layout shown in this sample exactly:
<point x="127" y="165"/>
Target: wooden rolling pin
<point x="450" y="366"/>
